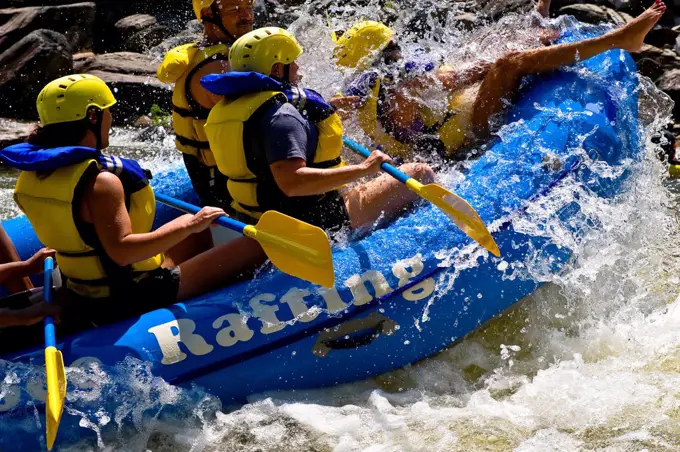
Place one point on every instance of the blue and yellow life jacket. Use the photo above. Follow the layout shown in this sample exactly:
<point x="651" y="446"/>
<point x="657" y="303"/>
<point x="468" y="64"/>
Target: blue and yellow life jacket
<point x="444" y="132"/>
<point x="245" y="93"/>
<point x="48" y="191"/>
<point x="188" y="116"/>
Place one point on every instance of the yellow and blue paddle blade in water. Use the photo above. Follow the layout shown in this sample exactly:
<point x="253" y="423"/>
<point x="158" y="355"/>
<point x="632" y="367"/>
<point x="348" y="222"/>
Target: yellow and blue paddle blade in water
<point x="459" y="211"/>
<point x="56" y="392"/>
<point x="455" y="207"/>
<point x="295" y="247"/>
<point x="54" y="366"/>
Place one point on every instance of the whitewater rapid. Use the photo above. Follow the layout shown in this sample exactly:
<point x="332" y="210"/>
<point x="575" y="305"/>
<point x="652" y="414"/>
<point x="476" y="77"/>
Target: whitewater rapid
<point x="590" y="361"/>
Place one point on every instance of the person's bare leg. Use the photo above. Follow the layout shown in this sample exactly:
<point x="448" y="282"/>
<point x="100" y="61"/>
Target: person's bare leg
<point x="384" y="197"/>
<point x="219" y="266"/>
<point x="8" y="253"/>
<point x="543" y="8"/>
<point x="192" y="246"/>
<point x="546" y="33"/>
<point x="505" y="75"/>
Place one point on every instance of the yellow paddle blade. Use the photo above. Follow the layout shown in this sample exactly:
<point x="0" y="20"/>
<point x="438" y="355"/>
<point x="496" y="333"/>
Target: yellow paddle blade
<point x="295" y="247"/>
<point x="460" y="212"/>
<point x="56" y="392"/>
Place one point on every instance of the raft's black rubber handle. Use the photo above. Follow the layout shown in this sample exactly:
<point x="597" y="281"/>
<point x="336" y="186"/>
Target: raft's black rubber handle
<point x="360" y="339"/>
<point x="353" y="334"/>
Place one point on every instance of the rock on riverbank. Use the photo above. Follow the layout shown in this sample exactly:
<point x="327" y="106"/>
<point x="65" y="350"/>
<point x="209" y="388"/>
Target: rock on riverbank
<point x="32" y="55"/>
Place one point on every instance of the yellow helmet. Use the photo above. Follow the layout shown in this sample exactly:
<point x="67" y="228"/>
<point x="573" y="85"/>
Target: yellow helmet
<point x="68" y="98"/>
<point x="357" y="45"/>
<point x="199" y="5"/>
<point x="260" y="49"/>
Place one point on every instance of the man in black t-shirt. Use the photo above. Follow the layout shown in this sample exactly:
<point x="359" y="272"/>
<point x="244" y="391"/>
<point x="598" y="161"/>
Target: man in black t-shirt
<point x="291" y="158"/>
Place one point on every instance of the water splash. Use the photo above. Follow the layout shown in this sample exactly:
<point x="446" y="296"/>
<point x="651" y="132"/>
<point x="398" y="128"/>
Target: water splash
<point x="590" y="360"/>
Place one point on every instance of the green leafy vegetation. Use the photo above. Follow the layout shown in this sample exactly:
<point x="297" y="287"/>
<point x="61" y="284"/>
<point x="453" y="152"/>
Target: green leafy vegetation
<point x="159" y="116"/>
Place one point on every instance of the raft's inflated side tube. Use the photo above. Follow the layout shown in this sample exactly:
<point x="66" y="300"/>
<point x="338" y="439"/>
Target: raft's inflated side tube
<point x="397" y="299"/>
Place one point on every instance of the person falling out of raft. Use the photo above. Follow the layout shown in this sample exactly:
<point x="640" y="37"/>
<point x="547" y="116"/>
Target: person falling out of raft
<point x="394" y="113"/>
<point x="14" y="275"/>
<point x="280" y="145"/>
<point x="97" y="211"/>
<point x="223" y="22"/>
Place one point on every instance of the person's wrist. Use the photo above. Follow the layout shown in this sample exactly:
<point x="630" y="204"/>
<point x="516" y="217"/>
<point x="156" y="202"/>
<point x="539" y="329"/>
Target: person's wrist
<point x="186" y="223"/>
<point x="364" y="169"/>
<point x="29" y="267"/>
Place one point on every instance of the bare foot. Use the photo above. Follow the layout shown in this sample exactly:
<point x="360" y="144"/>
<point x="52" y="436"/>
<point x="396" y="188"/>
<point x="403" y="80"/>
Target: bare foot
<point x="633" y="34"/>
<point x="543" y="7"/>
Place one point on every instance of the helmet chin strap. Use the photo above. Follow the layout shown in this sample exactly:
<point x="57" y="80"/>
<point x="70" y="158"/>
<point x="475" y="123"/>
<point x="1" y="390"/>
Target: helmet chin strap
<point x="217" y="21"/>
<point x="286" y="75"/>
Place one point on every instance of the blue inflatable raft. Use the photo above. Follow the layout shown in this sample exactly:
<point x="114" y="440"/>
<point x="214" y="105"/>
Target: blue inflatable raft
<point x="403" y="292"/>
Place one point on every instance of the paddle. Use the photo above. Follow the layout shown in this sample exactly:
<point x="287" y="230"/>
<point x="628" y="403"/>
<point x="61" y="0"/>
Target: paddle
<point x="54" y="365"/>
<point x="455" y="207"/>
<point x="294" y="247"/>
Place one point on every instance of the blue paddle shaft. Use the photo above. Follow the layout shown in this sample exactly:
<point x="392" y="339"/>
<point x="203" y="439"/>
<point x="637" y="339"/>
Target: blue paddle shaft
<point x="389" y="169"/>
<point x="50" y="338"/>
<point x="227" y="222"/>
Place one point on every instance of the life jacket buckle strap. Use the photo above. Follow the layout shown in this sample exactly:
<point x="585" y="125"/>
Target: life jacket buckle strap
<point x="250" y="180"/>
<point x="90" y="282"/>
<point x="184" y="141"/>
<point x="188" y="113"/>
<point x="326" y="164"/>
<point x="434" y="128"/>
<point x="90" y="253"/>
<point x="258" y="209"/>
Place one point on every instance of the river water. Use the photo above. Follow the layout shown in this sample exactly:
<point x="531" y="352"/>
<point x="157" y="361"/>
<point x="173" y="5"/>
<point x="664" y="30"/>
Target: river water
<point x="591" y="361"/>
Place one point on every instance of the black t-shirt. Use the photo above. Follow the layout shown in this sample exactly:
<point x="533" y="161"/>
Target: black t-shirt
<point x="288" y="136"/>
<point x="279" y="132"/>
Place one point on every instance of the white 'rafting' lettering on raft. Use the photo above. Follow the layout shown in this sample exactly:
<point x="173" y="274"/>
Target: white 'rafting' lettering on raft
<point x="170" y="334"/>
<point x="357" y="285"/>
<point x="233" y="328"/>
<point x="235" y="331"/>
<point x="419" y="291"/>
<point x="266" y="313"/>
